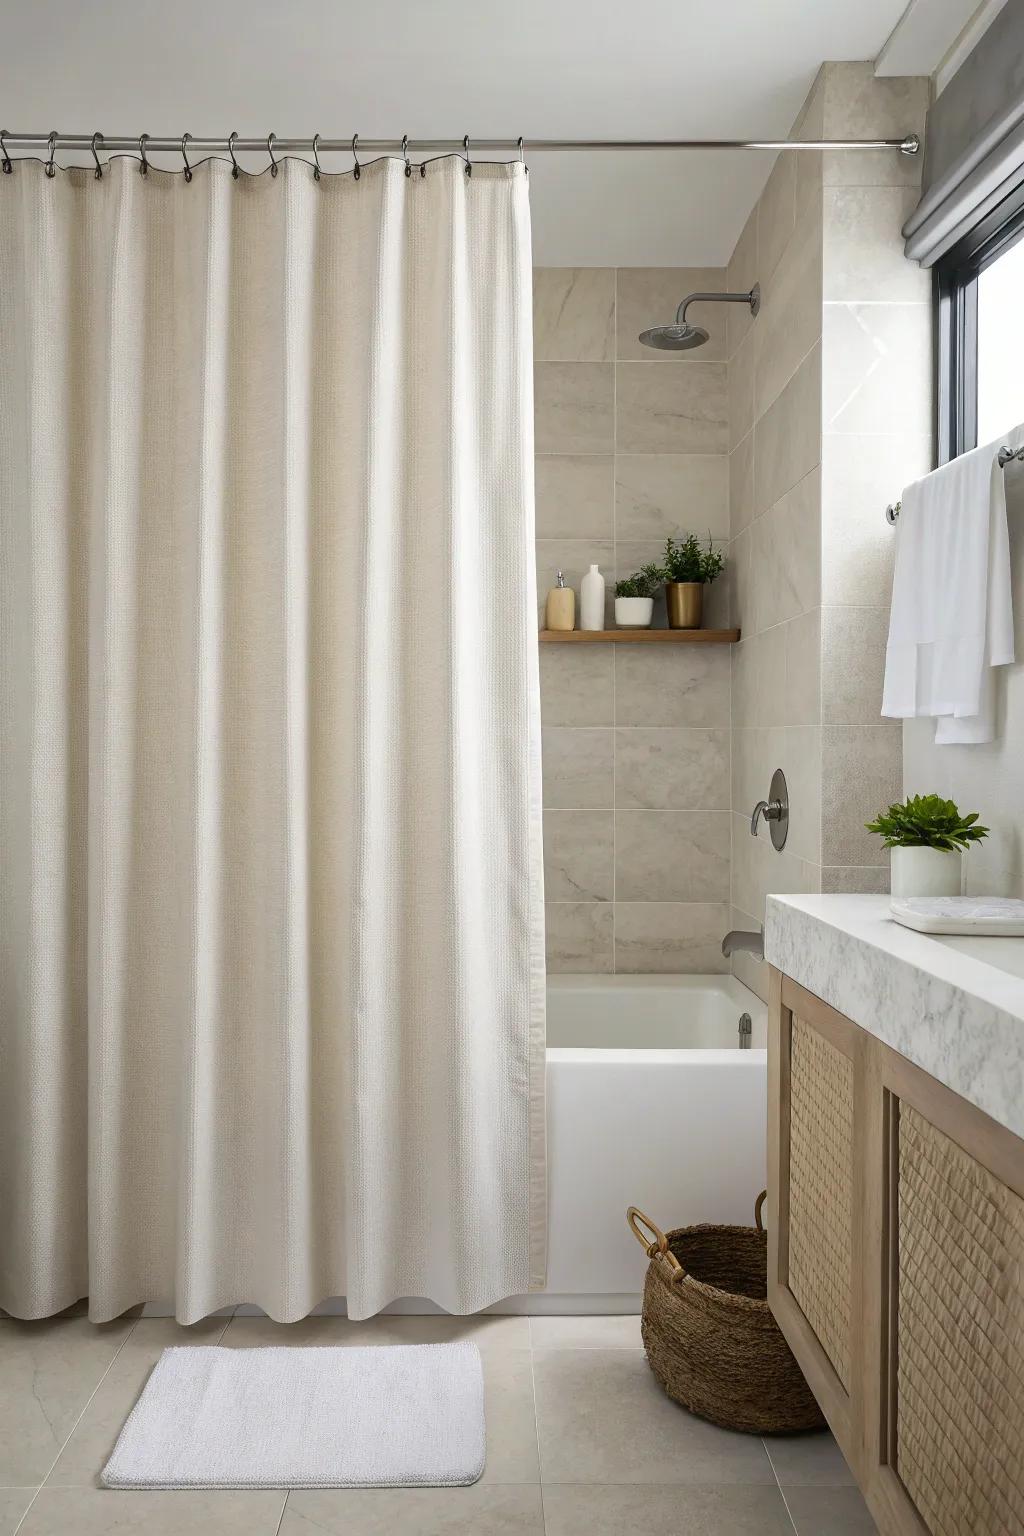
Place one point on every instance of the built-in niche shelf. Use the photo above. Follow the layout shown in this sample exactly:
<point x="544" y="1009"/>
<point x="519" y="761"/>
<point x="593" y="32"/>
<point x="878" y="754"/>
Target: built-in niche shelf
<point x="639" y="636"/>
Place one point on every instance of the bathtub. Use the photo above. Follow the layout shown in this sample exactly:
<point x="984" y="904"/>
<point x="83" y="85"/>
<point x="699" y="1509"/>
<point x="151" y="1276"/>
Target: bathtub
<point x="651" y="1102"/>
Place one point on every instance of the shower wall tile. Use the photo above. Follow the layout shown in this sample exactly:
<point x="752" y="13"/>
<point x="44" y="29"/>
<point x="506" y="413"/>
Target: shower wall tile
<point x="574" y="314"/>
<point x="742" y="367"/>
<point x="802" y="670"/>
<point x="578" y="855"/>
<point x="787" y="438"/>
<point x="741" y="484"/>
<point x="861" y="474"/>
<point x="574" y="407"/>
<point x="858" y="104"/>
<point x="852" y="664"/>
<point x="792" y="312"/>
<point x="577" y="685"/>
<point x="776" y="215"/>
<point x="672" y="855"/>
<point x="785" y="554"/>
<point x="670" y="937"/>
<point x="671" y="410"/>
<point x="862" y="771"/>
<point x="659" y="494"/>
<point x="656" y="686"/>
<point x="575" y="496"/>
<point x="578" y="767"/>
<point x="580" y="936"/>
<point x="863" y="246"/>
<point x="573" y="557"/>
<point x="877" y="360"/>
<point x="649" y="296"/>
<point x="665" y="769"/>
<point x="741" y="275"/>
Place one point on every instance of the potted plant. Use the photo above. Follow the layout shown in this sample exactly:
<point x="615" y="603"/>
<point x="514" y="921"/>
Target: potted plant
<point x="688" y="569"/>
<point x="634" y="597"/>
<point x="927" y="836"/>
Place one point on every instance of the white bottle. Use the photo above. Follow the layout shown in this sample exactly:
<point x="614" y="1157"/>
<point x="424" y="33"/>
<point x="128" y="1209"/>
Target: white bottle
<point x="592" y="600"/>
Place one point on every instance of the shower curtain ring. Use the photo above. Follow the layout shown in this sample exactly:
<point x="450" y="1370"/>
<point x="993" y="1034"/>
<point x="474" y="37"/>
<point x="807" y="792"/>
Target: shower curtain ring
<point x="232" y="136"/>
<point x="465" y="147"/>
<point x="97" y="138"/>
<point x="316" y="157"/>
<point x="355" y="157"/>
<point x="270" y="151"/>
<point x="522" y="155"/>
<point x="143" y="162"/>
<point x="49" y="168"/>
<point x="188" y="169"/>
<point x="5" y="164"/>
<point x="405" y="154"/>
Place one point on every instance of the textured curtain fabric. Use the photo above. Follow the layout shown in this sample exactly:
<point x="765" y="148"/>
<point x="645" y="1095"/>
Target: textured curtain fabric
<point x="272" y="990"/>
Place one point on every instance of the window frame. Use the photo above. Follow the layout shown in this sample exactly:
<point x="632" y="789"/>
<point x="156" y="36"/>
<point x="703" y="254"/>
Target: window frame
<point x="956" y="321"/>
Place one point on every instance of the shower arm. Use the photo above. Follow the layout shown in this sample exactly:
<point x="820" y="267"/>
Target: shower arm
<point x="753" y="298"/>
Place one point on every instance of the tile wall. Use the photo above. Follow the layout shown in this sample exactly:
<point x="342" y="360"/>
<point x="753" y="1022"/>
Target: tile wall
<point x="631" y="446"/>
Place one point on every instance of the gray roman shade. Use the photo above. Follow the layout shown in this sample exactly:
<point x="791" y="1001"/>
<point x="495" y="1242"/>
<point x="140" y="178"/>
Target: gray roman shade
<point x="974" y="147"/>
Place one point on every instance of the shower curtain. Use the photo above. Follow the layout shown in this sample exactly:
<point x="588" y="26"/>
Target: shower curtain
<point x="272" y="985"/>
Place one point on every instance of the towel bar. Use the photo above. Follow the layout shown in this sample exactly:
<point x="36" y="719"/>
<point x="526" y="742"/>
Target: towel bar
<point x="1004" y="456"/>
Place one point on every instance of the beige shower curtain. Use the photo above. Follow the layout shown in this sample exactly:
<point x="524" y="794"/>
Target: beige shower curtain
<point x="272" y="968"/>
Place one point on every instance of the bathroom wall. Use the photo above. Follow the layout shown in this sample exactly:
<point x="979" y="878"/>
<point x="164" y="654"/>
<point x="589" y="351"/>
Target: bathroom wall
<point x="631" y="446"/>
<point x="830" y="408"/>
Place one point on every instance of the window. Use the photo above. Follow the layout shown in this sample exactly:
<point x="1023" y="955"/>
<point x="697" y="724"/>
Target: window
<point x="980" y="287"/>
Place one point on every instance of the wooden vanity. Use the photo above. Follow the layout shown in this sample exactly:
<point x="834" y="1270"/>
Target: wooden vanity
<point x="896" y="1245"/>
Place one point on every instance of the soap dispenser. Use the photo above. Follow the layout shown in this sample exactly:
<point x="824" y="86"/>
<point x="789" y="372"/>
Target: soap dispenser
<point x="592" y="600"/>
<point x="560" y="611"/>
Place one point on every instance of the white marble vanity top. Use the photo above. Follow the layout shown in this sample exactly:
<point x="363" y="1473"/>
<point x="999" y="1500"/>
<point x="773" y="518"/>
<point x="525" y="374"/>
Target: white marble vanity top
<point x="953" y="1006"/>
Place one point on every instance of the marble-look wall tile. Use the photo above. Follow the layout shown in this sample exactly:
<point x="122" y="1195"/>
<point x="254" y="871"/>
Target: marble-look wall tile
<point x="575" y="496"/>
<point x="671" y="410"/>
<point x="672" y="855"/>
<point x="785" y="554"/>
<point x="759" y="870"/>
<point x="578" y="855"/>
<point x="650" y="296"/>
<point x="741" y="484"/>
<point x="852" y="664"/>
<point x="861" y="474"/>
<point x="759" y="678"/>
<point x="670" y="685"/>
<point x="578" y="767"/>
<point x="665" y="769"/>
<point x="658" y="494"/>
<point x="580" y="937"/>
<point x="789" y="324"/>
<point x="741" y="276"/>
<point x="574" y="314"/>
<point x="877" y="357"/>
<point x="802" y="668"/>
<point x="787" y="439"/>
<point x="860" y="104"/>
<point x="573" y="557"/>
<point x="776" y="214"/>
<point x="683" y="937"/>
<point x="862" y="770"/>
<point x="742" y="369"/>
<point x="574" y="407"/>
<point x="863" y="247"/>
<point x="577" y="684"/>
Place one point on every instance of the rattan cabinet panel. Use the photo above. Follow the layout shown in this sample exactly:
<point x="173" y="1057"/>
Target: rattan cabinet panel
<point x="821" y="1190"/>
<point x="960" y="1337"/>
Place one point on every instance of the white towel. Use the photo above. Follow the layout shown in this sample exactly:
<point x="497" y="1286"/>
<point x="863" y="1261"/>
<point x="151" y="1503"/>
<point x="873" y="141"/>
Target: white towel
<point x="951" y="619"/>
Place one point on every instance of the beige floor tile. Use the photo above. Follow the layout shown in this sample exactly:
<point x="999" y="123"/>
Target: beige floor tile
<point x="603" y="1418"/>
<point x="13" y="1504"/>
<point x="487" y="1332"/>
<point x="92" y="1441"/>
<point x="599" y="1510"/>
<point x="104" y="1512"/>
<point x="511" y="1414"/>
<point x="808" y="1460"/>
<point x="620" y="1332"/>
<point x="478" y="1510"/>
<point x="48" y="1372"/>
<point x="829" y="1512"/>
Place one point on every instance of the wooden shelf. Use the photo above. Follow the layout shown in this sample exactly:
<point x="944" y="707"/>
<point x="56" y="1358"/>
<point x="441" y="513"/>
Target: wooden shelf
<point x="639" y="636"/>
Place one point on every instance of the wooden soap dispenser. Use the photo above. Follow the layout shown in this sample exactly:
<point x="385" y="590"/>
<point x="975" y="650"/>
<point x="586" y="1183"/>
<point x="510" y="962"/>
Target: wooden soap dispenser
<point x="561" y="606"/>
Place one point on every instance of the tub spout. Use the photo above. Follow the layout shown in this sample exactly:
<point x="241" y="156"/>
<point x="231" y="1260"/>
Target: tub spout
<point x="738" y="939"/>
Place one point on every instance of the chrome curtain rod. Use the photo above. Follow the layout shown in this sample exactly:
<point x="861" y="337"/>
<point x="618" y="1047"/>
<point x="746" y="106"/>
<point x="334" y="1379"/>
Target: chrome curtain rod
<point x="162" y="144"/>
<point x="1004" y="456"/>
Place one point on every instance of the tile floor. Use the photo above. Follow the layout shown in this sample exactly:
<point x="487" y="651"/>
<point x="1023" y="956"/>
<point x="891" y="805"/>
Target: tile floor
<point x="581" y="1442"/>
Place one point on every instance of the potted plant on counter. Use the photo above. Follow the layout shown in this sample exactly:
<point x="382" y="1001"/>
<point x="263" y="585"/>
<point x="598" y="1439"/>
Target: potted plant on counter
<point x="688" y="569"/>
<point x="634" y="597"/>
<point x="927" y="836"/>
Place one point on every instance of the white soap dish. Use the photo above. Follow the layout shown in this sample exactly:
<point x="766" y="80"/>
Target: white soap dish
<point x="996" y="915"/>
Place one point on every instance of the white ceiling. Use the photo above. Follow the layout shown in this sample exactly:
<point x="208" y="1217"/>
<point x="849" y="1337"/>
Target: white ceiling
<point x="546" y="68"/>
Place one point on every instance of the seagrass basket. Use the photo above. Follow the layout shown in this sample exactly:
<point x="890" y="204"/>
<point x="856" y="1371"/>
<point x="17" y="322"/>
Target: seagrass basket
<point x="710" y="1337"/>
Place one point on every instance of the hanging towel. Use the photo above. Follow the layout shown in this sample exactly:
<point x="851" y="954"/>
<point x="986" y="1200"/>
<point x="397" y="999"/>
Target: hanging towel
<point x="951" y="619"/>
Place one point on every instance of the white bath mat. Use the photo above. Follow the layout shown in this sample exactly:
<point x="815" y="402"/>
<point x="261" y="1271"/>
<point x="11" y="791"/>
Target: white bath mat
<point x="385" y="1417"/>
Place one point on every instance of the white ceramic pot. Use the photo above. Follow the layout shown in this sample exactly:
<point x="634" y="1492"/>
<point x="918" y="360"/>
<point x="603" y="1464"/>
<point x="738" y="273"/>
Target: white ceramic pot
<point x="925" y="872"/>
<point x="634" y="612"/>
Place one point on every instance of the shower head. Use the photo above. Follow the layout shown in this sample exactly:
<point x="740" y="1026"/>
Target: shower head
<point x="681" y="337"/>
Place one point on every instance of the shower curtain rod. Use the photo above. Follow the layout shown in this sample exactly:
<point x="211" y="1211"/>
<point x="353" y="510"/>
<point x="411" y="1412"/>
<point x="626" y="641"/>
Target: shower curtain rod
<point x="158" y="144"/>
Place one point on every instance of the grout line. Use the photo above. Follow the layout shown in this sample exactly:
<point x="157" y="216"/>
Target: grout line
<point x="284" y="1506"/>
<point x="779" y="1486"/>
<point x="536" y="1429"/>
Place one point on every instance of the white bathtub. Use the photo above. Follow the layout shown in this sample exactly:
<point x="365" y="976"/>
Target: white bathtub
<point x="651" y="1102"/>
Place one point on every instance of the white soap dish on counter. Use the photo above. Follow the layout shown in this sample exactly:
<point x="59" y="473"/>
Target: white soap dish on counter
<point x="996" y="915"/>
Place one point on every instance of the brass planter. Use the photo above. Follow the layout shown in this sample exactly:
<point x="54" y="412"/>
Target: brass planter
<point x="685" y="603"/>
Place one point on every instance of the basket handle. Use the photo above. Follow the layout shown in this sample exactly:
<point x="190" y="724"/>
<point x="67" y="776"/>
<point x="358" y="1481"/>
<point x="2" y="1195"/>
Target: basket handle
<point x="659" y="1248"/>
<point x="758" y="1207"/>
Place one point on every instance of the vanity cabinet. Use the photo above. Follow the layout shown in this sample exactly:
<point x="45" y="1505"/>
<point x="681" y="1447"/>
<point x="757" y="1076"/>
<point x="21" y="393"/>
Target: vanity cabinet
<point x="896" y="1271"/>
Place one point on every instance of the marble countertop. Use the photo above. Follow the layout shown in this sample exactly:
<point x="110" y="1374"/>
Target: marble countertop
<point x="956" y="1011"/>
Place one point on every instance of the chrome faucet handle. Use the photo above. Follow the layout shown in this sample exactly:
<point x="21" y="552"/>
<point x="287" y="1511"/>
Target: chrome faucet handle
<point x="771" y="810"/>
<point x="775" y="811"/>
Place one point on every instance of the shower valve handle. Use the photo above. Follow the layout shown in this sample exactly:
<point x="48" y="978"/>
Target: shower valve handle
<point x="771" y="810"/>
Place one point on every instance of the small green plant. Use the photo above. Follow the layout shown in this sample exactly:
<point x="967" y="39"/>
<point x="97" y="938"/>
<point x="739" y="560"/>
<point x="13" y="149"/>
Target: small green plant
<point x="643" y="583"/>
<point x="687" y="561"/>
<point x="927" y="821"/>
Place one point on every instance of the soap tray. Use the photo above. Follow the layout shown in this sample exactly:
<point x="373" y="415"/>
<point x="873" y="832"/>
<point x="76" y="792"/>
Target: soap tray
<point x="960" y="914"/>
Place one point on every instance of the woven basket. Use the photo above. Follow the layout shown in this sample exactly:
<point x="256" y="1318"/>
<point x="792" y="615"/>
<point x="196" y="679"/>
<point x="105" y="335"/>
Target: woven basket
<point x="709" y="1335"/>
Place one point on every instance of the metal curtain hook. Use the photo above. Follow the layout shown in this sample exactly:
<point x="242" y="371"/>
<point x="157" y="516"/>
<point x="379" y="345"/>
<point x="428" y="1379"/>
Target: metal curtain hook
<point x="316" y="157"/>
<point x="188" y="169"/>
<point x="465" y="147"/>
<point x="97" y="138"/>
<point x="232" y="136"/>
<point x="355" y="157"/>
<point x="51" y="143"/>
<point x="5" y="163"/>
<point x="270" y="151"/>
<point x="522" y="155"/>
<point x="405" y="154"/>
<point x="143" y="162"/>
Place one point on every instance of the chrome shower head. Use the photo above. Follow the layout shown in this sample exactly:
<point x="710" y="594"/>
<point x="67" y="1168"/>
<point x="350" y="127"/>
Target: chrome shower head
<point x="681" y="337"/>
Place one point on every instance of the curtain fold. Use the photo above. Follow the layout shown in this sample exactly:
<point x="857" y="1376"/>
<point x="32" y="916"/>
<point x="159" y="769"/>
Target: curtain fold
<point x="272" y="991"/>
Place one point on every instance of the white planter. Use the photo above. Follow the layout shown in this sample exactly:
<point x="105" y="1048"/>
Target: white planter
<point x="634" y="612"/>
<point x="924" y="872"/>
